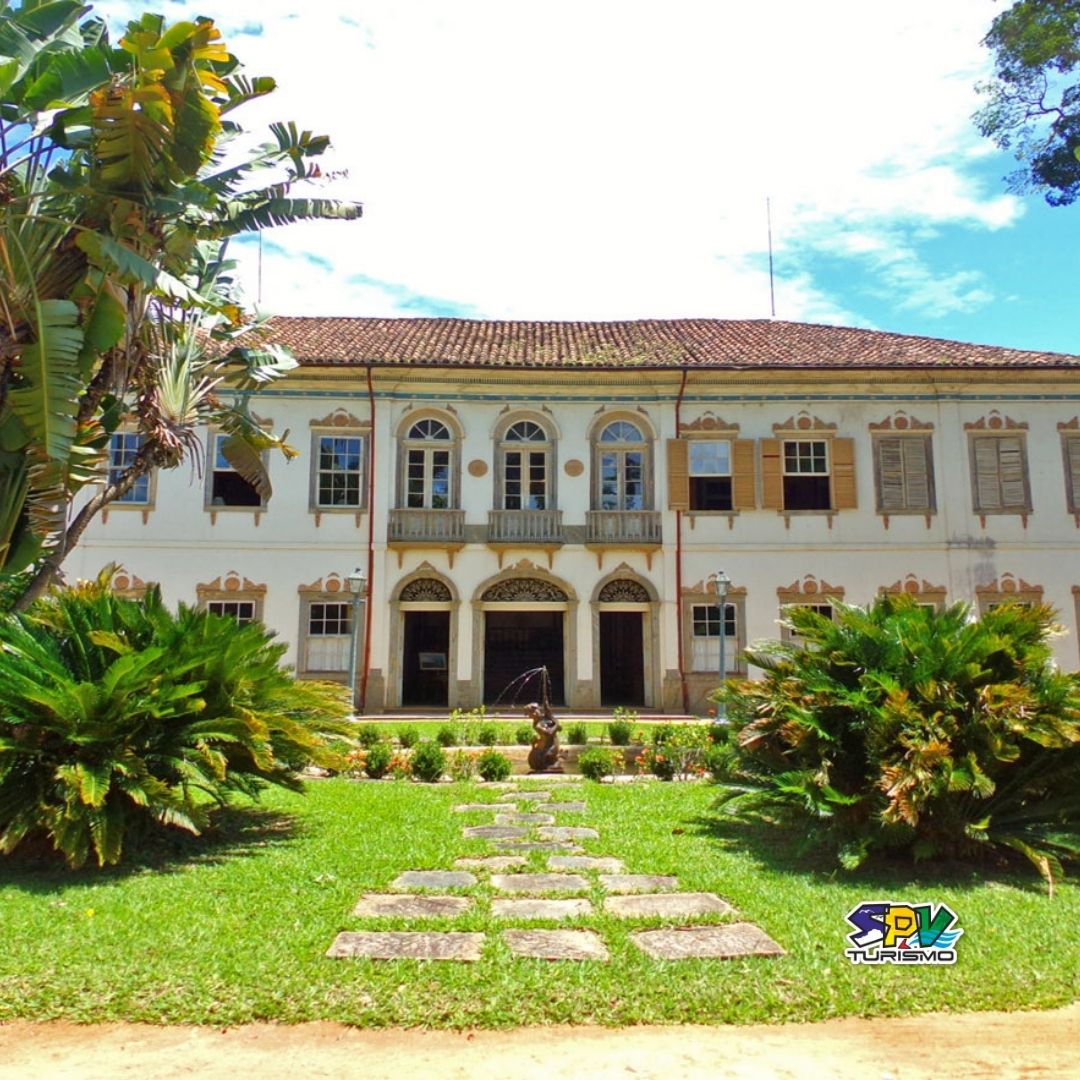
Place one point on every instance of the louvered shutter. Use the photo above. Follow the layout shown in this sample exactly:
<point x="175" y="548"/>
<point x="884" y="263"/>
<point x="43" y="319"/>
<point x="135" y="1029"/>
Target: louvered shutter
<point x="843" y="474"/>
<point x="772" y="488"/>
<point x="678" y="475"/>
<point x="743" y="494"/>
<point x="987" y="482"/>
<point x="917" y="481"/>
<point x="1011" y="465"/>
<point x="890" y="474"/>
<point x="1072" y="456"/>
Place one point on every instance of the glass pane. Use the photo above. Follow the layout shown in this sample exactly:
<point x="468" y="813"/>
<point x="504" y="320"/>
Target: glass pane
<point x="621" y="431"/>
<point x="710" y="458"/>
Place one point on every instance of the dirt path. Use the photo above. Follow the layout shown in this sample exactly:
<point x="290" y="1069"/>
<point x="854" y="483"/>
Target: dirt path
<point x="938" y="1046"/>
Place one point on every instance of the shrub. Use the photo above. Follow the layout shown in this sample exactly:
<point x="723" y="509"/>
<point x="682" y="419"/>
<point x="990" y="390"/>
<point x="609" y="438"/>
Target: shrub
<point x="523" y="735"/>
<point x="118" y="715"/>
<point x="369" y="734"/>
<point x="462" y="765"/>
<point x="900" y="726"/>
<point x="619" y="732"/>
<point x="407" y="737"/>
<point x="721" y="761"/>
<point x="654" y="760"/>
<point x="487" y="735"/>
<point x="427" y="761"/>
<point x="493" y="766"/>
<point x="447" y="736"/>
<point x="597" y="762"/>
<point x="577" y="734"/>
<point x="379" y="757"/>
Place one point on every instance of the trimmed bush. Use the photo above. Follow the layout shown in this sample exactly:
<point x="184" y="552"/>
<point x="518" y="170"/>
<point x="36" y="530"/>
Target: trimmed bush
<point x="377" y="763"/>
<point x="117" y="715"/>
<point x="619" y="732"/>
<point x="577" y="734"/>
<point x="427" y="762"/>
<point x="598" y="763"/>
<point x="447" y="736"/>
<point x="523" y="735"/>
<point x="407" y="737"/>
<point x="370" y="734"/>
<point x="487" y="735"/>
<point x="493" y="766"/>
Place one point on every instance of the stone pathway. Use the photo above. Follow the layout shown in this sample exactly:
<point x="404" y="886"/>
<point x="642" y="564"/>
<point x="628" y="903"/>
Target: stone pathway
<point x="525" y="822"/>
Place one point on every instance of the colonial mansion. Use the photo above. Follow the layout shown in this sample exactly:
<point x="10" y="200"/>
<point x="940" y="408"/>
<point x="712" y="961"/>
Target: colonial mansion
<point x="519" y="494"/>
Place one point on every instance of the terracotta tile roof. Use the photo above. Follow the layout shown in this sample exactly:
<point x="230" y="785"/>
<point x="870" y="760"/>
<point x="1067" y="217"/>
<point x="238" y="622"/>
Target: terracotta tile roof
<point x="649" y="343"/>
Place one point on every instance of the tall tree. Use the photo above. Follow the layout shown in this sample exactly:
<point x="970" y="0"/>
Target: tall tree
<point x="119" y="189"/>
<point x="1033" y="100"/>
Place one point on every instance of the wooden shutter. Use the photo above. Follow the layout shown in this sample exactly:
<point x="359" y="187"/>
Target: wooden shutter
<point x="889" y="459"/>
<point x="843" y="474"/>
<point x="985" y="464"/>
<point x="772" y="483"/>
<point x="1072" y="461"/>
<point x="743" y="493"/>
<point x="903" y="473"/>
<point x="918" y="483"/>
<point x="678" y="475"/>
<point x="1012" y="472"/>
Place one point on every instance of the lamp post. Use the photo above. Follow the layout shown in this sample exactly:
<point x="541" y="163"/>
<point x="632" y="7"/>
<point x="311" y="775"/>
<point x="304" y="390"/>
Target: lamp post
<point x="356" y="582"/>
<point x="723" y="584"/>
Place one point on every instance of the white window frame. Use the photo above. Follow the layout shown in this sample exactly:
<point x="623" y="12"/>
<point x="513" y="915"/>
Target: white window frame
<point x="427" y="449"/>
<point x="703" y="656"/>
<point x="317" y="665"/>
<point x="131" y="499"/>
<point x="526" y="449"/>
<point x="318" y="472"/>
<point x="719" y="473"/>
<point x="213" y="469"/>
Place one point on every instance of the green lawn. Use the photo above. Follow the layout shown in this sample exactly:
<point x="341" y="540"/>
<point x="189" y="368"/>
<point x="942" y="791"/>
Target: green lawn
<point x="237" y="932"/>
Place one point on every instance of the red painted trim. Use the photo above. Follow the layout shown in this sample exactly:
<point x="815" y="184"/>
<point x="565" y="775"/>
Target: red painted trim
<point x="678" y="562"/>
<point x="370" y="545"/>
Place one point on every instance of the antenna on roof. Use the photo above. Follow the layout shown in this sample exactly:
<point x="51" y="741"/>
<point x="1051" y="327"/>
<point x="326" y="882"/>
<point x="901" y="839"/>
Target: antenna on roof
<point x="772" y="290"/>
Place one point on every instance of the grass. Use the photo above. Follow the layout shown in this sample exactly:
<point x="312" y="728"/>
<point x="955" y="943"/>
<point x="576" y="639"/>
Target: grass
<point x="507" y="730"/>
<point x="232" y="928"/>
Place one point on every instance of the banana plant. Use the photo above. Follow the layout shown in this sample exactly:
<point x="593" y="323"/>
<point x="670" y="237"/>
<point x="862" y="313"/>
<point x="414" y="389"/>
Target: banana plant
<point x="116" y="301"/>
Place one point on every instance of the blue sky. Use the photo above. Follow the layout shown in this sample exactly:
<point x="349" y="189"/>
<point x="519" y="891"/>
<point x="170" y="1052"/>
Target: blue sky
<point x="608" y="159"/>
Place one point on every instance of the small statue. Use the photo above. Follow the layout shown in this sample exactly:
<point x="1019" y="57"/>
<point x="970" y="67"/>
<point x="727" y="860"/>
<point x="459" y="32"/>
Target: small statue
<point x="544" y="755"/>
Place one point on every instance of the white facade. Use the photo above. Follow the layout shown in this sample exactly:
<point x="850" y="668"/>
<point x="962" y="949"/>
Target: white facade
<point x="620" y="589"/>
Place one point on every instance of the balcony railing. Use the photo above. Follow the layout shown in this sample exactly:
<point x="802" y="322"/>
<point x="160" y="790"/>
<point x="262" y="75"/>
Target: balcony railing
<point x="623" y="526"/>
<point x="525" y="527"/>
<point x="427" y="526"/>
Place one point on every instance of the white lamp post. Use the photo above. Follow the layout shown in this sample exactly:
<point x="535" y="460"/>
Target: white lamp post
<point x="723" y="584"/>
<point x="356" y="582"/>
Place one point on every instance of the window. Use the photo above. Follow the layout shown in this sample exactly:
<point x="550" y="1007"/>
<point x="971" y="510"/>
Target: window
<point x="328" y="636"/>
<point x="806" y="475"/>
<point x="622" y="461"/>
<point x="338" y="472"/>
<point x="242" y="611"/>
<point x="903" y="471"/>
<point x="526" y="455"/>
<point x="710" y="475"/>
<point x="123" y="447"/>
<point x="821" y="609"/>
<point x="427" y="476"/>
<point x="999" y="474"/>
<point x="705" y="640"/>
<point x="1071" y="448"/>
<point x="227" y="486"/>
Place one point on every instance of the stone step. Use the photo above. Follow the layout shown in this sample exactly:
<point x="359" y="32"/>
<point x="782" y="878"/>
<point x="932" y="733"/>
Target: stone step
<point x="667" y="905"/>
<point x="492" y="862"/>
<point x="540" y="909"/>
<point x="512" y="818"/>
<point x="566" y="832"/>
<point x="538" y="883"/>
<point x="410" y="906"/>
<point x="585" y="862"/>
<point x="638" y="883"/>
<point x="434" y="879"/>
<point x="556" y="944"/>
<point x="707" y="942"/>
<point x="407" y="945"/>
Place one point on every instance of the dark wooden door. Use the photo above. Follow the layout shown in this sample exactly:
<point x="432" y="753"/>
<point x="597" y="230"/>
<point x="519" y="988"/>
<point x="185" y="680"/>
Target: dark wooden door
<point x="517" y="642"/>
<point x="425" y="663"/>
<point x="622" y="663"/>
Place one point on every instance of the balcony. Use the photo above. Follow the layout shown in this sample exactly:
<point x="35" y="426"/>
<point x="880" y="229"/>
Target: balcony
<point x="443" y="529"/>
<point x="542" y="527"/>
<point x="633" y="527"/>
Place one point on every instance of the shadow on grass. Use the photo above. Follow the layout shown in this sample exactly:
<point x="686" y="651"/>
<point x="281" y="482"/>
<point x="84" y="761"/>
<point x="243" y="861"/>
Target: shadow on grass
<point x="234" y="832"/>
<point x="781" y="851"/>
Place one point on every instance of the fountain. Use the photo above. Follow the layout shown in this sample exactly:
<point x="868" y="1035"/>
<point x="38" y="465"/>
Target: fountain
<point x="544" y="755"/>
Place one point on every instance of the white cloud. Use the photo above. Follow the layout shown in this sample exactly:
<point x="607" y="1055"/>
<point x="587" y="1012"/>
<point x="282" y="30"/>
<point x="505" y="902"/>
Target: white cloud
<point x="612" y="159"/>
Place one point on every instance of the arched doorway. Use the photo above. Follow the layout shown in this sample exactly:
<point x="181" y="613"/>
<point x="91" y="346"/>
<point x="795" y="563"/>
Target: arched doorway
<point x="524" y="629"/>
<point x="425" y="605"/>
<point x="623" y="606"/>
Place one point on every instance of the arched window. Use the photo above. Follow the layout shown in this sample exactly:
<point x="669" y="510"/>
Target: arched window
<point x="526" y="473"/>
<point x="427" y="469"/>
<point x="622" y="467"/>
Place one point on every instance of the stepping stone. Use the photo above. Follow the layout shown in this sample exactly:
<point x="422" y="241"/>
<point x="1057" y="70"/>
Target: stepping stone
<point x="524" y="819"/>
<point x="495" y="832"/>
<point x="532" y="845"/>
<point x="540" y="909"/>
<point x="568" y="807"/>
<point x="404" y="906"/>
<point x="472" y="807"/>
<point x="567" y="833"/>
<point x="493" y="862"/>
<point x="526" y="796"/>
<point x="434" y="879"/>
<point x="585" y="862"/>
<point x="676" y="905"/>
<point x="637" y="883"/>
<point x="707" y="942"/>
<point x="534" y="883"/>
<point x="402" y="945"/>
<point x="556" y="944"/>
